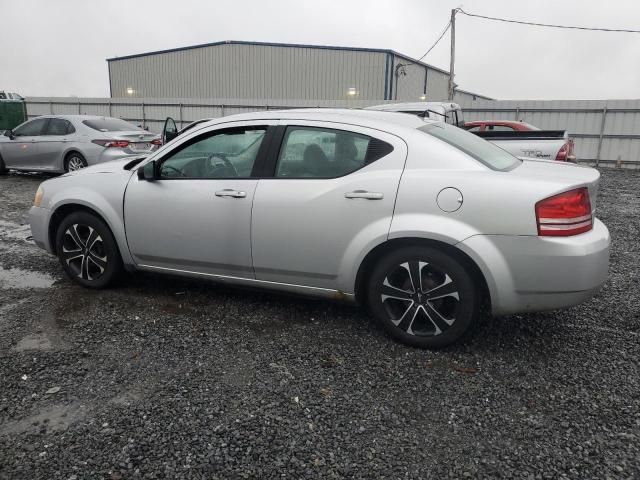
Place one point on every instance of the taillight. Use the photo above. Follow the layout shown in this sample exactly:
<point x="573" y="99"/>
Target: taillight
<point x="156" y="141"/>
<point x="565" y="154"/>
<point x="565" y="214"/>
<point x="112" y="143"/>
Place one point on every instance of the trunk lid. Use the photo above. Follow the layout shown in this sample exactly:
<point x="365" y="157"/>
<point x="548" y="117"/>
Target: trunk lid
<point x="563" y="176"/>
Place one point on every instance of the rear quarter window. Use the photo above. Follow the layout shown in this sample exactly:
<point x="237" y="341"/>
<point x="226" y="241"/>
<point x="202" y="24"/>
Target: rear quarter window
<point x="481" y="150"/>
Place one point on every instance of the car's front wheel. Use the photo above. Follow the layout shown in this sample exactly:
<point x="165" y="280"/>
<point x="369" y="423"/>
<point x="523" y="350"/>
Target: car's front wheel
<point x="87" y="250"/>
<point x="423" y="296"/>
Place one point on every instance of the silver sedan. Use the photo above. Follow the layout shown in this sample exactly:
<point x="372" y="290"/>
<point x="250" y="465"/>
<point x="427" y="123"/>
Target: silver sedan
<point x="65" y="143"/>
<point x="423" y="222"/>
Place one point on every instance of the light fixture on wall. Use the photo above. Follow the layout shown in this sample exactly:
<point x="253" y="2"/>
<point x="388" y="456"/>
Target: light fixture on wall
<point x="130" y="91"/>
<point x="423" y="97"/>
<point x="352" y="91"/>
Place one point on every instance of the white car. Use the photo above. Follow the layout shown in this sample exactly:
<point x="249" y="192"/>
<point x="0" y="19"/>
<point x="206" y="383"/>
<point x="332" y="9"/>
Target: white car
<point x="423" y="222"/>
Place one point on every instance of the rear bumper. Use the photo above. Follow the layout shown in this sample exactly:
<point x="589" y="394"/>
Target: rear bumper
<point x="39" y="221"/>
<point x="531" y="273"/>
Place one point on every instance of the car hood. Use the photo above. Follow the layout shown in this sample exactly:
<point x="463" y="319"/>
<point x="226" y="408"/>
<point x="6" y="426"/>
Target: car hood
<point x="122" y="165"/>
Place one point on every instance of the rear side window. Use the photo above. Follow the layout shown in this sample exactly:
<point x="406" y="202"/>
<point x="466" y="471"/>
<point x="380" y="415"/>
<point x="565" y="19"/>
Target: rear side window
<point x="58" y="126"/>
<point x="499" y="128"/>
<point x="311" y="152"/>
<point x="485" y="152"/>
<point x="108" y="124"/>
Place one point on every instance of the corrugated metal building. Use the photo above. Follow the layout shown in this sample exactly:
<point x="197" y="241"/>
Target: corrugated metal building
<point x="238" y="70"/>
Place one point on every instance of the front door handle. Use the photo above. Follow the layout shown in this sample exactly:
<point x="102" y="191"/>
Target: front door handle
<point x="227" y="192"/>
<point x="364" y="194"/>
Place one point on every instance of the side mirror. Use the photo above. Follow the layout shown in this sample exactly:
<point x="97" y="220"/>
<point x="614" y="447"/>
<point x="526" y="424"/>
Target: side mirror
<point x="9" y="133"/>
<point x="148" y="172"/>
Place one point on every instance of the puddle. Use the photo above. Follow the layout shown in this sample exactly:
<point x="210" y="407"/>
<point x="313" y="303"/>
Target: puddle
<point x="14" y="231"/>
<point x="56" y="418"/>
<point x="18" y="278"/>
<point x="37" y="341"/>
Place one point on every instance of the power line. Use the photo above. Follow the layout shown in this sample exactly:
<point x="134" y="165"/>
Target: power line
<point x="437" y="41"/>
<point x="570" y="27"/>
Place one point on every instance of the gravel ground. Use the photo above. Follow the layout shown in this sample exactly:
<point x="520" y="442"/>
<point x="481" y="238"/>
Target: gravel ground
<point x="163" y="378"/>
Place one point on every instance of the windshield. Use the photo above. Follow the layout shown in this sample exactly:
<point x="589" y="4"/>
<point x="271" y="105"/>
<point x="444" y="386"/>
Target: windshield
<point x="110" y="125"/>
<point x="485" y="152"/>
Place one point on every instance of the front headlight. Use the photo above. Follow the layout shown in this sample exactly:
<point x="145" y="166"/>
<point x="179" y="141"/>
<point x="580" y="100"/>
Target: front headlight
<point x="39" y="194"/>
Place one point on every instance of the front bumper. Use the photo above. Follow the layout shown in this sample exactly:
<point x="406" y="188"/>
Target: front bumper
<point x="531" y="273"/>
<point x="39" y="221"/>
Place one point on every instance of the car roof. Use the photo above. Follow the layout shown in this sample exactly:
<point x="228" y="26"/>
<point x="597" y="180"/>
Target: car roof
<point x="386" y="121"/>
<point x="78" y="117"/>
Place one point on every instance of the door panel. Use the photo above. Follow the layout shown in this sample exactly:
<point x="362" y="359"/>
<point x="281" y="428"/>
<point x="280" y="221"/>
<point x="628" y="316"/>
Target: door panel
<point x="306" y="230"/>
<point x="184" y="225"/>
<point x="52" y="144"/>
<point x="196" y="215"/>
<point x="23" y="150"/>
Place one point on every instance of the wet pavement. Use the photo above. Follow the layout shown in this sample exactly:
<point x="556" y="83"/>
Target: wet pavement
<point x="166" y="378"/>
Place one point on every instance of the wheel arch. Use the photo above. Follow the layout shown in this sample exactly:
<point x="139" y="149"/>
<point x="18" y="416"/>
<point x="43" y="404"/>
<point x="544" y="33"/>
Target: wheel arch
<point x="60" y="213"/>
<point x="371" y="258"/>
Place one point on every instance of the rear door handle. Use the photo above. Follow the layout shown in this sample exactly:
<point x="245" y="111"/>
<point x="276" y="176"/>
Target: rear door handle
<point x="227" y="192"/>
<point x="364" y="194"/>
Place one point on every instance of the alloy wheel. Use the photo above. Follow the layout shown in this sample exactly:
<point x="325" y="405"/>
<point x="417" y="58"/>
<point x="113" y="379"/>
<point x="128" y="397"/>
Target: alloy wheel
<point x="75" y="163"/>
<point x="84" y="252"/>
<point x="420" y="298"/>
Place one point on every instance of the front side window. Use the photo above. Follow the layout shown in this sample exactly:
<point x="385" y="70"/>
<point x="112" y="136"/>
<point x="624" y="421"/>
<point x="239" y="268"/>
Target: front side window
<point x="309" y="152"/>
<point x="221" y="154"/>
<point x="31" y="128"/>
<point x="485" y="152"/>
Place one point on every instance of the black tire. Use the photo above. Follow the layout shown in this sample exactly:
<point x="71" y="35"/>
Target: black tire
<point x="73" y="161"/>
<point x="87" y="250"/>
<point x="436" y="314"/>
<point x="3" y="168"/>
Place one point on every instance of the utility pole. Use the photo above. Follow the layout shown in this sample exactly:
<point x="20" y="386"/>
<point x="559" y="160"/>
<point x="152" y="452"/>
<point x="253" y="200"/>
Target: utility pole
<point x="453" y="54"/>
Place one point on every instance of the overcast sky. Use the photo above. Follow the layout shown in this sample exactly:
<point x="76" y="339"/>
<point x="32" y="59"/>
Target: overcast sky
<point x="58" y="48"/>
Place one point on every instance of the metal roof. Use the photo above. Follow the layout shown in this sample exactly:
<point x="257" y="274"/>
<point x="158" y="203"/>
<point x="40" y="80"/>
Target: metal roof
<point x="273" y="44"/>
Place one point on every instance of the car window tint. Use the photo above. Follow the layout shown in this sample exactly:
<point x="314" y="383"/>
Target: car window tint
<point x="475" y="128"/>
<point x="309" y="152"/>
<point x="225" y="154"/>
<point x="57" y="126"/>
<point x="31" y="128"/>
<point x="108" y="124"/>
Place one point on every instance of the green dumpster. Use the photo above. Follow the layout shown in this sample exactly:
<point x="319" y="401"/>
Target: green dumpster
<point x="12" y="113"/>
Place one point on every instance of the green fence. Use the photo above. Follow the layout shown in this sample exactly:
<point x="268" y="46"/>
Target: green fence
<point x="12" y="113"/>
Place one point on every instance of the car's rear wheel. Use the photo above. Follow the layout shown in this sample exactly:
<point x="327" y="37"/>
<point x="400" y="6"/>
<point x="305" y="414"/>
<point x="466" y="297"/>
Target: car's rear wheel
<point x="74" y="161"/>
<point x="87" y="250"/>
<point x="423" y="297"/>
<point x="3" y="168"/>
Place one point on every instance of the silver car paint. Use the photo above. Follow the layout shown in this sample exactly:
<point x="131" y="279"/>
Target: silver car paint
<point x="48" y="152"/>
<point x="495" y="225"/>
